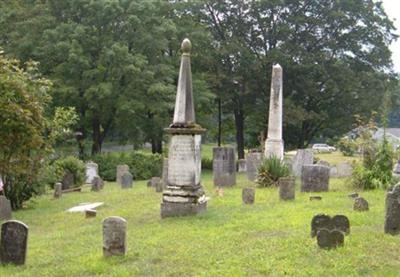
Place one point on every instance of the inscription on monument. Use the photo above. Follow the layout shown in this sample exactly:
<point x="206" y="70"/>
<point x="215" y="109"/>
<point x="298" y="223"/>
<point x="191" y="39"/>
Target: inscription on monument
<point x="182" y="165"/>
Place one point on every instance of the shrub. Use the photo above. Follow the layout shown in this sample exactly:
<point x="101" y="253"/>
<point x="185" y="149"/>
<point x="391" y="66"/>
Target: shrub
<point x="72" y="165"/>
<point x="142" y="166"/>
<point x="270" y="170"/>
<point x="347" y="146"/>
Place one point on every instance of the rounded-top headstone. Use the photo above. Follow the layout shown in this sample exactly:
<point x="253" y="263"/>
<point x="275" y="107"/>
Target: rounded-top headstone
<point x="14" y="240"/>
<point x="360" y="204"/>
<point x="186" y="46"/>
<point x="114" y="236"/>
<point x="248" y="195"/>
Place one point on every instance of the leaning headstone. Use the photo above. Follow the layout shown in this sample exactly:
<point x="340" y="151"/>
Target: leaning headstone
<point x="126" y="180"/>
<point x="97" y="183"/>
<point x="360" y="204"/>
<point x="165" y="173"/>
<point x="5" y="208"/>
<point x="68" y="180"/>
<point x="315" y="178"/>
<point x="121" y="170"/>
<point x="241" y="165"/>
<point x="14" y="240"/>
<point x="224" y="166"/>
<point x="392" y="218"/>
<point x="184" y="194"/>
<point x="248" y="195"/>
<point x="253" y="161"/>
<point x="114" y="236"/>
<point x="286" y="188"/>
<point x="274" y="141"/>
<point x="302" y="157"/>
<point x="57" y="190"/>
<point x="92" y="170"/>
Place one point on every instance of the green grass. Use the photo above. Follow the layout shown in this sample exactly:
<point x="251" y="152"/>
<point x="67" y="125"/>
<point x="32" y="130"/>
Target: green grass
<point x="231" y="239"/>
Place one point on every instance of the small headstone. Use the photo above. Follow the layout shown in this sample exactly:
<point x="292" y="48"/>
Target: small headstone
<point x="392" y="218"/>
<point x="126" y="180"/>
<point x="241" y="165"/>
<point x="302" y="157"/>
<point x="114" y="236"/>
<point x="159" y="186"/>
<point x="344" y="169"/>
<point x="121" y="170"/>
<point x="286" y="188"/>
<point x="329" y="239"/>
<point x="253" y="161"/>
<point x="97" y="183"/>
<point x="315" y="178"/>
<point x="57" y="190"/>
<point x="360" y="204"/>
<point x="14" y="239"/>
<point x="90" y="213"/>
<point x="315" y="197"/>
<point x="153" y="182"/>
<point x="68" y="180"/>
<point x="224" y="166"/>
<point x="92" y="170"/>
<point x="248" y="195"/>
<point x="353" y="195"/>
<point x="5" y="208"/>
<point x="320" y="221"/>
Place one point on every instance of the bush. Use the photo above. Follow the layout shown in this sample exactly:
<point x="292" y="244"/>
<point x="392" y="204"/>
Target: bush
<point x="270" y="170"/>
<point x="142" y="166"/>
<point x="347" y="146"/>
<point x="207" y="163"/>
<point x="72" y="165"/>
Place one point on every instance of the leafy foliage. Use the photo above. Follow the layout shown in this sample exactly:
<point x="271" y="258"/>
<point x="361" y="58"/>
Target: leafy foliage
<point x="72" y="165"/>
<point x="142" y="166"/>
<point x="270" y="170"/>
<point x="347" y="146"/>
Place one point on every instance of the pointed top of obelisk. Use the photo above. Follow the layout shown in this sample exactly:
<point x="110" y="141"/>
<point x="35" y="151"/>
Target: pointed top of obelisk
<point x="184" y="108"/>
<point x="186" y="46"/>
<point x="277" y="66"/>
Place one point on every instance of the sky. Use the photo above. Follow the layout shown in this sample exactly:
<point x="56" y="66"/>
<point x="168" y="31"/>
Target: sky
<point x="392" y="9"/>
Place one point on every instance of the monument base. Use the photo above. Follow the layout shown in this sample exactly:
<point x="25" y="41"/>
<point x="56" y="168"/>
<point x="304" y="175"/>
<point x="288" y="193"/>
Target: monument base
<point x="274" y="147"/>
<point x="172" y="209"/>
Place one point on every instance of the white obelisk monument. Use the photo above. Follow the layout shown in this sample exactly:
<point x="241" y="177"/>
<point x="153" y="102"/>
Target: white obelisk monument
<point x="274" y="141"/>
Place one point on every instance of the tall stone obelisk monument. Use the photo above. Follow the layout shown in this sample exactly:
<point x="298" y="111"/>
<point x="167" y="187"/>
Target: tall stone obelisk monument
<point x="184" y="194"/>
<point x="274" y="141"/>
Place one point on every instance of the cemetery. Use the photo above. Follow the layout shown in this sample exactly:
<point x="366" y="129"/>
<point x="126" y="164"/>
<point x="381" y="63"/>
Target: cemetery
<point x="195" y="168"/>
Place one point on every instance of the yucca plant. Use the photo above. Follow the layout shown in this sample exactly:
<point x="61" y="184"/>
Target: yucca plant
<point x="270" y="170"/>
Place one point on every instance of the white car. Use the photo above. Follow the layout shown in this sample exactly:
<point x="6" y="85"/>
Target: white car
<point x="321" y="148"/>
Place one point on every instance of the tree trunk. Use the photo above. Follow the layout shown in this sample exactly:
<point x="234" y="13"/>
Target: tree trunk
<point x="239" y="124"/>
<point x="97" y="138"/>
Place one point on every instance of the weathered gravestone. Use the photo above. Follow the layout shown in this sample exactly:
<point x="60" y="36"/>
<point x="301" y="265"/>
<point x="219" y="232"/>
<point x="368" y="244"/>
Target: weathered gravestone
<point x="253" y="161"/>
<point x="241" y="165"/>
<point x="248" y="195"/>
<point x="341" y="170"/>
<point x="224" y="166"/>
<point x="360" y="204"/>
<point x="126" y="180"/>
<point x="114" y="236"/>
<point x="396" y="169"/>
<point x="121" y="170"/>
<point x="5" y="208"/>
<point x="184" y="194"/>
<point x="57" y="190"/>
<point x="392" y="218"/>
<point x="274" y="141"/>
<point x="92" y="170"/>
<point x="154" y="181"/>
<point x="302" y="157"/>
<point x="286" y="188"/>
<point x="97" y="183"/>
<point x="159" y="186"/>
<point x="329" y="231"/>
<point x="165" y="173"/>
<point x="14" y="240"/>
<point x="68" y="180"/>
<point x="315" y="178"/>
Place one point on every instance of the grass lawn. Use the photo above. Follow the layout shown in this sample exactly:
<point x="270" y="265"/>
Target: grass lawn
<point x="231" y="239"/>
